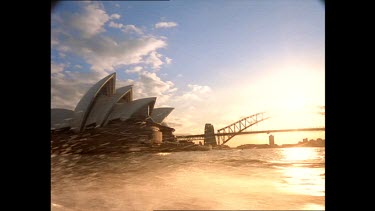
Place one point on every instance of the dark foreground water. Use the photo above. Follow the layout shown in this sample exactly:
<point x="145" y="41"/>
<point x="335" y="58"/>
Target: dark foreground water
<point x="287" y="178"/>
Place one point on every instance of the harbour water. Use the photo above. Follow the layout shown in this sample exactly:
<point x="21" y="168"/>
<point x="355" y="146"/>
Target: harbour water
<point x="248" y="179"/>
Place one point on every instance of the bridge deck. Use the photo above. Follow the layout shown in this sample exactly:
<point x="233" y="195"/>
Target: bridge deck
<point x="201" y="136"/>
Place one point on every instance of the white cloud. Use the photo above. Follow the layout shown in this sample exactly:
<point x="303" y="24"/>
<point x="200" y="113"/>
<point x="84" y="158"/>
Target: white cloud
<point x="168" y="60"/>
<point x="115" y="25"/>
<point x="115" y="16"/>
<point x="62" y="48"/>
<point x="122" y="83"/>
<point x="54" y="42"/>
<point x="68" y="88"/>
<point x="134" y="70"/>
<point x="154" y="59"/>
<point x="172" y="90"/>
<point x="62" y="55"/>
<point x="150" y="85"/>
<point x="57" y="68"/>
<point x="199" y="89"/>
<point x="131" y="28"/>
<point x="104" y="53"/>
<point x="196" y="93"/>
<point x="126" y="28"/>
<point x="78" y="66"/>
<point x="185" y="105"/>
<point x="91" y="21"/>
<point x="179" y="76"/>
<point x="165" y="25"/>
<point x="190" y="96"/>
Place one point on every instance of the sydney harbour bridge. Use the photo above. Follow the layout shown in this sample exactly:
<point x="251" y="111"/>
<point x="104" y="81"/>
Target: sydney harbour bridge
<point x="239" y="127"/>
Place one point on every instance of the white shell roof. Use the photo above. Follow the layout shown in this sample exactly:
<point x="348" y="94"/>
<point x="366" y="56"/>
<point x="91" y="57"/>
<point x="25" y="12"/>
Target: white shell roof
<point x="102" y="103"/>
<point x="159" y="114"/>
<point x="105" y="104"/>
<point x="85" y="105"/>
<point x="124" y="111"/>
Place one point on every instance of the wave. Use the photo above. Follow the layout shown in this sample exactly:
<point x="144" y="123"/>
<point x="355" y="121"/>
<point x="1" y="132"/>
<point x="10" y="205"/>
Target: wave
<point x="266" y="164"/>
<point x="304" y="165"/>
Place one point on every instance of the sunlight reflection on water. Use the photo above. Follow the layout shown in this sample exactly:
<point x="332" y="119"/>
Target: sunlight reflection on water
<point x="290" y="178"/>
<point x="303" y="176"/>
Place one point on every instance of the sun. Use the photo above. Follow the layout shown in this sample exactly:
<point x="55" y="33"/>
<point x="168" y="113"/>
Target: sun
<point x="290" y="95"/>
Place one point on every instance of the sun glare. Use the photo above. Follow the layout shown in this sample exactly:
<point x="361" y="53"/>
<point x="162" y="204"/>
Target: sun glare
<point x="298" y="154"/>
<point x="301" y="179"/>
<point x="291" y="93"/>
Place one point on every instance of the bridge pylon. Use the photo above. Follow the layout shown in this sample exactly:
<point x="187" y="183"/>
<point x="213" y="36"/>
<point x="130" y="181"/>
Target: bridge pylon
<point x="209" y="135"/>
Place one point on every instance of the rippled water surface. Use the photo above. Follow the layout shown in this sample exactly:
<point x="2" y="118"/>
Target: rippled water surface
<point x="283" y="178"/>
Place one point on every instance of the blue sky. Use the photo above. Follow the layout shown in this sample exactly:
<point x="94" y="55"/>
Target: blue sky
<point x="214" y="61"/>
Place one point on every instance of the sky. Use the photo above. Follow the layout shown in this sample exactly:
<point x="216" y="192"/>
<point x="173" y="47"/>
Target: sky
<point x="213" y="61"/>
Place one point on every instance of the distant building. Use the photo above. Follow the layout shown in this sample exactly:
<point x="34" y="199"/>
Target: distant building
<point x="320" y="142"/>
<point x="271" y="140"/>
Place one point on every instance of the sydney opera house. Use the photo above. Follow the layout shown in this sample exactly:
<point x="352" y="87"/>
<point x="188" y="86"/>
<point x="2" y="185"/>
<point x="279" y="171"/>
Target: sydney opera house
<point x="108" y="119"/>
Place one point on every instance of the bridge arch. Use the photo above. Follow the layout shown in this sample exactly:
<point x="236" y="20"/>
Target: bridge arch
<point x="237" y="127"/>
